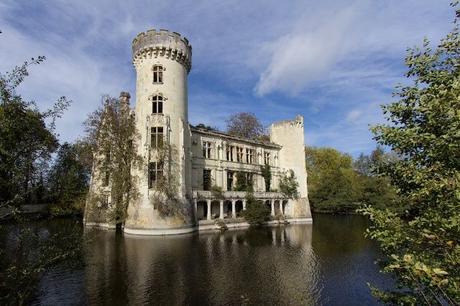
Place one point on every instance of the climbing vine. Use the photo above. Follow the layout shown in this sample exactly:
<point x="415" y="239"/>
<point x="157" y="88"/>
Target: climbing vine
<point x="111" y="132"/>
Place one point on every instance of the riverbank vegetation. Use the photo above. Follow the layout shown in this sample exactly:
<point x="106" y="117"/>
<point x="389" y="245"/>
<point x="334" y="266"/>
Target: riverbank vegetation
<point x="423" y="241"/>
<point x="339" y="184"/>
<point x="28" y="176"/>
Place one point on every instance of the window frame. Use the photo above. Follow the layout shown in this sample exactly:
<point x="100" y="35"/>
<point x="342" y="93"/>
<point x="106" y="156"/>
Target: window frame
<point x="157" y="74"/>
<point x="157" y="104"/>
<point x="207" y="149"/>
<point x="157" y="137"/>
<point x="207" y="179"/>
<point x="155" y="171"/>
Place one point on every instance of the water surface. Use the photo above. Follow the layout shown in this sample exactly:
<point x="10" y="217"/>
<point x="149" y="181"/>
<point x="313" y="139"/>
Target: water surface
<point x="327" y="263"/>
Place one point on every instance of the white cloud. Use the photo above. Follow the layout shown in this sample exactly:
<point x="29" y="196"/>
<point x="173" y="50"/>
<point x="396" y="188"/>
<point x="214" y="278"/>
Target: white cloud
<point x="319" y="58"/>
<point x="353" y="115"/>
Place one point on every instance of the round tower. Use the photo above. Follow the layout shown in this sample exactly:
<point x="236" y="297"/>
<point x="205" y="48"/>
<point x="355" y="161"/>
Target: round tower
<point x="162" y="60"/>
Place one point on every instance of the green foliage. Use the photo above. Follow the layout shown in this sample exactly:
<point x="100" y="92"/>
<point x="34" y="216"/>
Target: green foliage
<point x="34" y="253"/>
<point x="423" y="241"/>
<point x="256" y="212"/>
<point x="217" y="192"/>
<point x="111" y="132"/>
<point x="27" y="140"/>
<point x="288" y="185"/>
<point x="242" y="182"/>
<point x="68" y="181"/>
<point x="267" y="175"/>
<point x="166" y="190"/>
<point x="339" y="185"/>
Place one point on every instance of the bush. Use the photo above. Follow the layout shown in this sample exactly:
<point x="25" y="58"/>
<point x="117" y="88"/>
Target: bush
<point x="256" y="212"/>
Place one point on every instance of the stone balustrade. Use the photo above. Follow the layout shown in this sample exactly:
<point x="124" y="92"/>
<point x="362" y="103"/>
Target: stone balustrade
<point x="232" y="203"/>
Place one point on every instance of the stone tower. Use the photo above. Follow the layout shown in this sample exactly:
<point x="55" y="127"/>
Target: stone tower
<point x="290" y="135"/>
<point x="162" y="60"/>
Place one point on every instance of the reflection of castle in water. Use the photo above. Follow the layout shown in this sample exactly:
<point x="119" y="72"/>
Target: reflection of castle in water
<point x="257" y="266"/>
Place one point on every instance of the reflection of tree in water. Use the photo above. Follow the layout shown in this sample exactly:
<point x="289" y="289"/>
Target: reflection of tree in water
<point x="334" y="237"/>
<point x="260" y="266"/>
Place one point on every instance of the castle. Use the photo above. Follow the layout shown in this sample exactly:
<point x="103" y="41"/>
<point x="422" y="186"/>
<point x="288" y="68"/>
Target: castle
<point x="207" y="163"/>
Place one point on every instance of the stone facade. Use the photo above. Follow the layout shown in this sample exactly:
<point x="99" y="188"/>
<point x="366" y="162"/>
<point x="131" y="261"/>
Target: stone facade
<point x="204" y="160"/>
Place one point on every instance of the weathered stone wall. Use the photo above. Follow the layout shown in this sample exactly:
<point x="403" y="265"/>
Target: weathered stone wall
<point x="290" y="135"/>
<point x="173" y="53"/>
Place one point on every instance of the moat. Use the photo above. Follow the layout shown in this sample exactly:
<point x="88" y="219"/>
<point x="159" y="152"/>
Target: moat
<point x="327" y="263"/>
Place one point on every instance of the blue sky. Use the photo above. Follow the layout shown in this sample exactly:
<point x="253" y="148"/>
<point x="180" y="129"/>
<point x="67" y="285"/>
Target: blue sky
<point x="334" y="62"/>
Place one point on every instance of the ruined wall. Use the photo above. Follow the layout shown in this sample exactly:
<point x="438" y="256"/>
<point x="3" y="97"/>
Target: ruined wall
<point x="290" y="135"/>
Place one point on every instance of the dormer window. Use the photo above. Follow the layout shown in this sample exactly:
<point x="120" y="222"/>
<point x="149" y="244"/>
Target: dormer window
<point x="157" y="104"/>
<point x="157" y="74"/>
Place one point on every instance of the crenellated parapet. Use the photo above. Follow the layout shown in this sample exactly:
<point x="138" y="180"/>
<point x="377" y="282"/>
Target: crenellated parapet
<point x="164" y="43"/>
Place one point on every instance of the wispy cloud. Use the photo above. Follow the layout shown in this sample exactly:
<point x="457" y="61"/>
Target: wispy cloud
<point x="331" y="61"/>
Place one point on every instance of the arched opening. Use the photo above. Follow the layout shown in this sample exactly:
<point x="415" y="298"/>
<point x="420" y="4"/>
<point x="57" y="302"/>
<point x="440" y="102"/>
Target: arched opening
<point x="215" y="209"/>
<point x="268" y="204"/>
<point x="277" y="208"/>
<point x="201" y="210"/>
<point x="283" y="206"/>
<point x="227" y="209"/>
<point x="238" y="208"/>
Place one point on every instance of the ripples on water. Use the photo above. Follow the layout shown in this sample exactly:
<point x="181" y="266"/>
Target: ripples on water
<point x="327" y="263"/>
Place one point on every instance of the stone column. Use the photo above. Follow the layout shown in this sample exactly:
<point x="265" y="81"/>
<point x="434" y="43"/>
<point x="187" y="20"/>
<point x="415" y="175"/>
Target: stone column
<point x="244" y="204"/>
<point x="281" y="207"/>
<point x="221" y="213"/>
<point x="209" y="210"/>
<point x="233" y="209"/>
<point x="195" y="209"/>
<point x="272" y="202"/>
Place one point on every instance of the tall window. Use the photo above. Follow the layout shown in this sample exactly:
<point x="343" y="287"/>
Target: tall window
<point x="267" y="158"/>
<point x="249" y="156"/>
<point x="157" y="74"/>
<point x="155" y="172"/>
<point x="229" y="152"/>
<point x="250" y="179"/>
<point x="239" y="154"/>
<point x="206" y="179"/>
<point x="207" y="149"/>
<point x="156" y="137"/>
<point x="157" y="105"/>
<point x="229" y="180"/>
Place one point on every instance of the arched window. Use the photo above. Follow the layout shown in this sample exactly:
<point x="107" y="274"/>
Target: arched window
<point x="157" y="74"/>
<point x="157" y="104"/>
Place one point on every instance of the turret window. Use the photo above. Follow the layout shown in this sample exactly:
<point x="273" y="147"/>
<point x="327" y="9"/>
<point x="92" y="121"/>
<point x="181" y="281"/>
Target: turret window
<point x="155" y="172"/>
<point x="156" y="137"/>
<point x="157" y="105"/>
<point x="157" y="74"/>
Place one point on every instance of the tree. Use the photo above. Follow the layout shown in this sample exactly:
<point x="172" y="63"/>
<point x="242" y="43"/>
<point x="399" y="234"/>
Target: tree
<point x="68" y="181"/>
<point x="111" y="132"/>
<point x="245" y="125"/>
<point x="27" y="139"/>
<point x="242" y="182"/>
<point x="333" y="184"/>
<point x="423" y="241"/>
<point x="288" y="185"/>
<point x="256" y="212"/>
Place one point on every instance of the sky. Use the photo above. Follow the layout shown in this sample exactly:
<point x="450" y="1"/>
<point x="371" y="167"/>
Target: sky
<point x="334" y="62"/>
